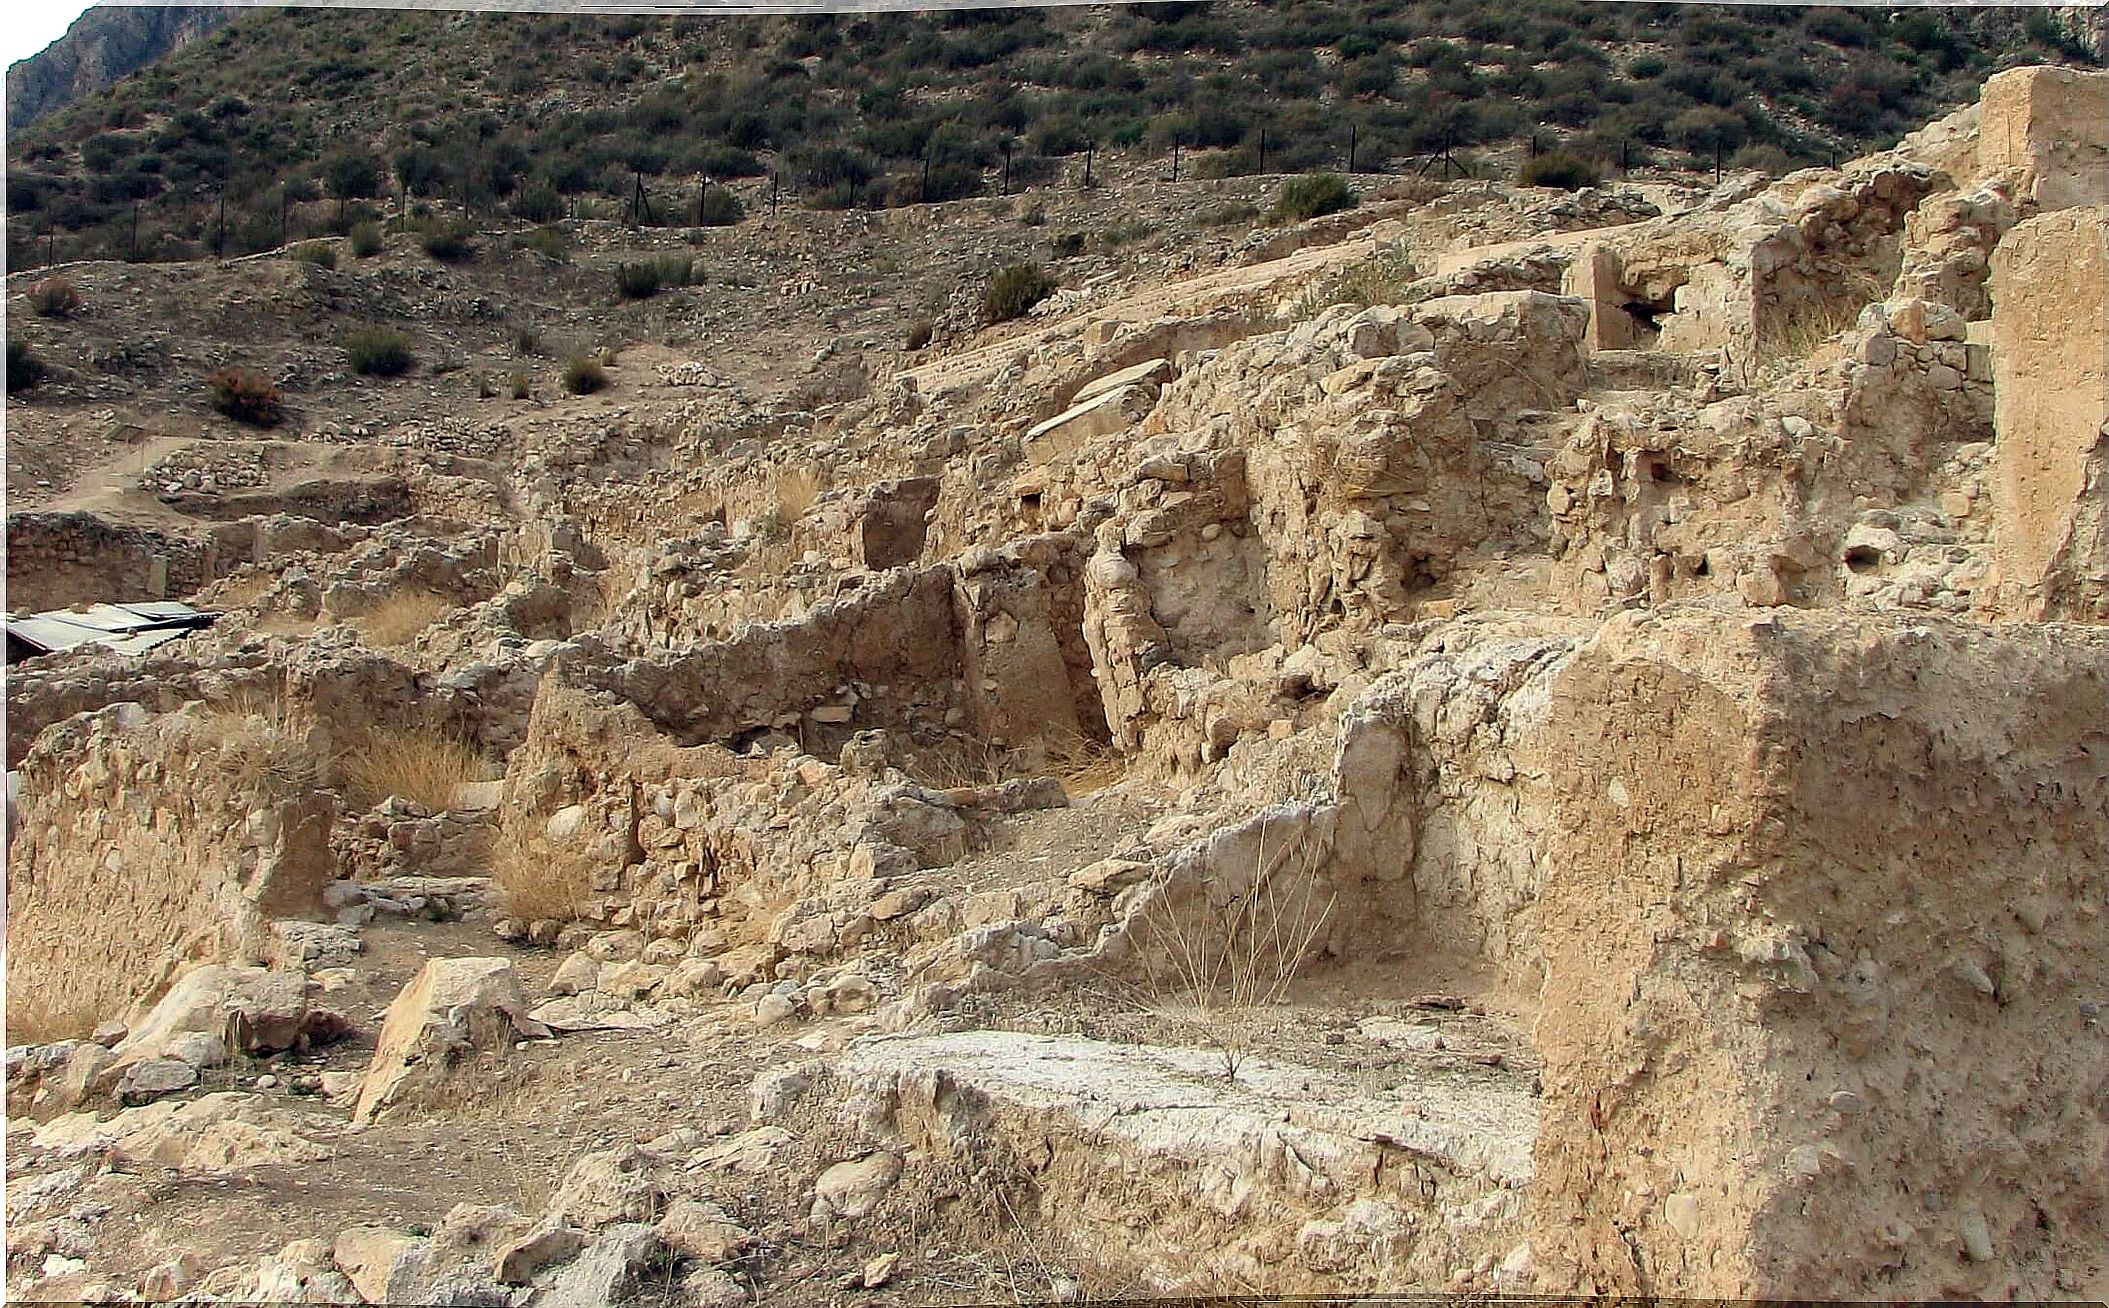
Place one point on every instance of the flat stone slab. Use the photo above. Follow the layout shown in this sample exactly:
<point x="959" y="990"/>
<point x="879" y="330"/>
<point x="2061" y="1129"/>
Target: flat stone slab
<point x="1177" y="1102"/>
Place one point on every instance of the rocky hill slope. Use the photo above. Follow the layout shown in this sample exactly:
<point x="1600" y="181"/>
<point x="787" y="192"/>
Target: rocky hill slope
<point x="1498" y="740"/>
<point x="104" y="45"/>
<point x="294" y="117"/>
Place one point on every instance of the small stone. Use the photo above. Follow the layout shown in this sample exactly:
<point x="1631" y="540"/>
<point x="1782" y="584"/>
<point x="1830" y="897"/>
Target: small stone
<point x="772" y="1009"/>
<point x="879" y="1270"/>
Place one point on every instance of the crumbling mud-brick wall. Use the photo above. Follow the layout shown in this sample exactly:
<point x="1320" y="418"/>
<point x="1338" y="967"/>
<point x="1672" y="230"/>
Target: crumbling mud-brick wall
<point x="2045" y="131"/>
<point x="147" y="844"/>
<point x="1822" y="895"/>
<point x="2050" y="362"/>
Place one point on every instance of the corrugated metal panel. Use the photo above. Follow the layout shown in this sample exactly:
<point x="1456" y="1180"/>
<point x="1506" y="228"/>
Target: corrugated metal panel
<point x="131" y="628"/>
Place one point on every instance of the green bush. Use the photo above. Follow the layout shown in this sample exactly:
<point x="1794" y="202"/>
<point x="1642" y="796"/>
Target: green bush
<point x="378" y="352"/>
<point x="537" y="204"/>
<point x="365" y="240"/>
<point x="245" y="396"/>
<point x="447" y="242"/>
<point x="647" y="277"/>
<point x="24" y="368"/>
<point x="55" y="297"/>
<point x="720" y="208"/>
<point x="1066" y="245"/>
<point x="1014" y="292"/>
<point x="549" y="242"/>
<point x="320" y="253"/>
<point x="1311" y="196"/>
<point x="584" y="375"/>
<point x="1560" y="169"/>
<point x="521" y="389"/>
<point x="919" y="333"/>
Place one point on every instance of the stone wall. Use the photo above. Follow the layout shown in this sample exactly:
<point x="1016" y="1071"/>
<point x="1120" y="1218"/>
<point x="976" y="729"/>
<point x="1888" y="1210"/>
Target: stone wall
<point x="2050" y="358"/>
<point x="1808" y="1032"/>
<point x="148" y="844"/>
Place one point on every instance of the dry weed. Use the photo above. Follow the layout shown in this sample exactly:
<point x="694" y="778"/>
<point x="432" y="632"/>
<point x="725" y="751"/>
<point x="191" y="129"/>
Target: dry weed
<point x="425" y="765"/>
<point x="1223" y="965"/>
<point x="536" y="880"/>
<point x="796" y="489"/>
<point x="1084" y="765"/>
<point x="265" y="744"/>
<point x="399" y="618"/>
<point x="962" y="763"/>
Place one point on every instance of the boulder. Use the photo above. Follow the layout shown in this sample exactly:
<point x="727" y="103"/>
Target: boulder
<point x="453" y="1008"/>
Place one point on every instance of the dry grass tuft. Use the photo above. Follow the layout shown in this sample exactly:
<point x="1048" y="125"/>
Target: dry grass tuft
<point x="1084" y="765"/>
<point x="536" y="879"/>
<point x="962" y="763"/>
<point x="426" y="766"/>
<point x="796" y="489"/>
<point x="265" y="744"/>
<point x="398" y="619"/>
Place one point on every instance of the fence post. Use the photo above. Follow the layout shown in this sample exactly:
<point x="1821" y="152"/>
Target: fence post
<point x="772" y="190"/>
<point x="923" y="196"/>
<point x="134" y="248"/>
<point x="219" y="238"/>
<point x="1263" y="150"/>
<point x="1006" y="167"/>
<point x="1353" y="135"/>
<point x="1089" y="150"/>
<point x="1175" y="158"/>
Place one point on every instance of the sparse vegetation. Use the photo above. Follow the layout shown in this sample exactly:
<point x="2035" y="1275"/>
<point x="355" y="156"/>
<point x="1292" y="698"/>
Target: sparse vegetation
<point x="1311" y="196"/>
<point x="521" y="388"/>
<point x="536" y="879"/>
<point x="399" y="617"/>
<point x="1219" y="956"/>
<point x="365" y="240"/>
<point x="918" y="108"/>
<point x="24" y="369"/>
<point x="246" y="396"/>
<point x="378" y="352"/>
<point x="427" y="766"/>
<point x="583" y="375"/>
<point x="920" y="333"/>
<point x="1229" y="215"/>
<point x="320" y="253"/>
<point x="55" y="297"/>
<point x="1561" y="170"/>
<point x="1014" y="291"/>
<point x="647" y="277"/>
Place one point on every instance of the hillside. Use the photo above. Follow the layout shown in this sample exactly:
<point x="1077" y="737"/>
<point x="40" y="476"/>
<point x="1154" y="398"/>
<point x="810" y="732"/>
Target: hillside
<point x="103" y="45"/>
<point x="537" y="116"/>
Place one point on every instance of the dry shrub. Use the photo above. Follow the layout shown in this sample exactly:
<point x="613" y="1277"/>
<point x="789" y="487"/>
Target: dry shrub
<point x="398" y="619"/>
<point x="962" y="763"/>
<point x="536" y="879"/>
<point x="796" y="489"/>
<point x="265" y="744"/>
<point x="245" y="396"/>
<point x="1084" y="765"/>
<point x="1218" y="967"/>
<point x="425" y="765"/>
